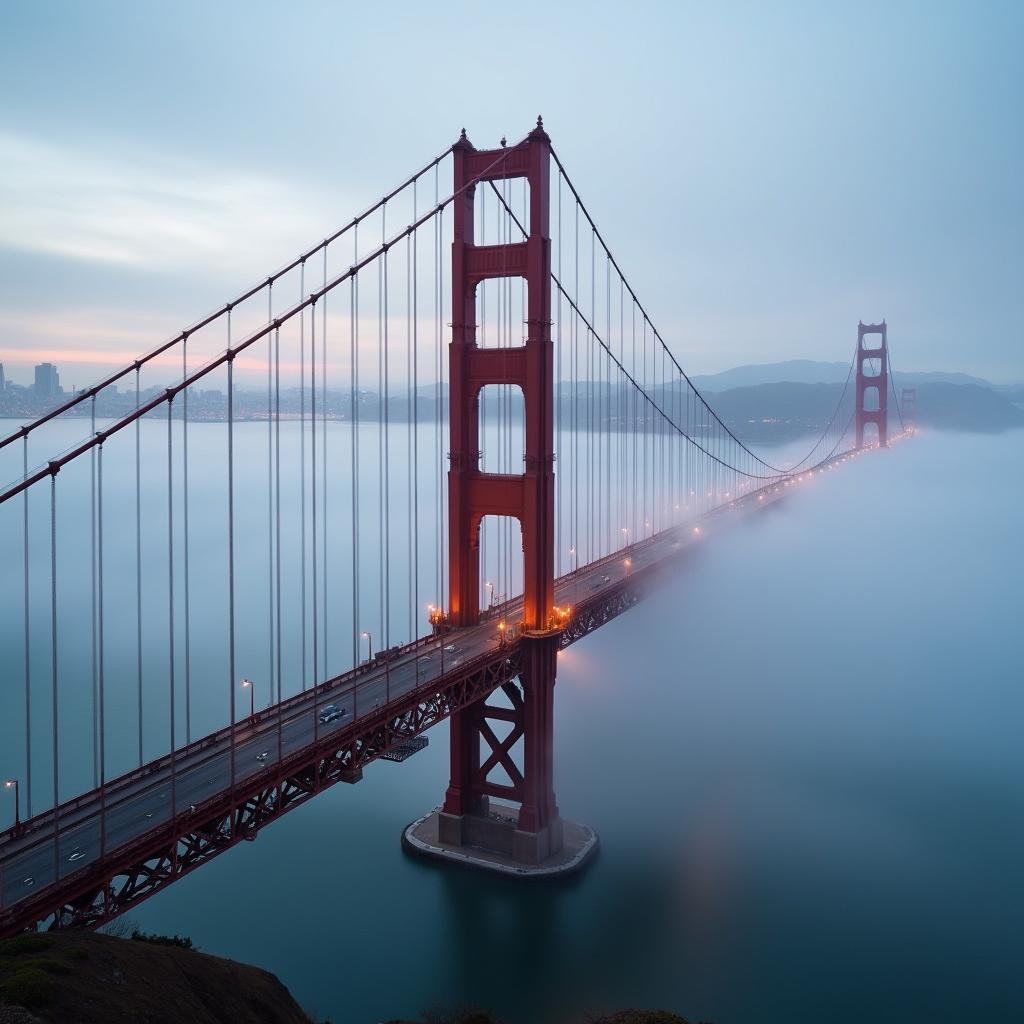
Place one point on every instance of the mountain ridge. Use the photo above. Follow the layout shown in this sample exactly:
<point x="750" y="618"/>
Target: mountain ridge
<point x="813" y="371"/>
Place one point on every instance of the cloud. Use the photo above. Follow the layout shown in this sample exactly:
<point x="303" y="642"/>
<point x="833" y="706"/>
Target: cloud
<point x="145" y="212"/>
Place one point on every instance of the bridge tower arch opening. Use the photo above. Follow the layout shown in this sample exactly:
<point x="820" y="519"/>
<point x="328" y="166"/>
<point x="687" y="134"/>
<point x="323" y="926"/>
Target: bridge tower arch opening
<point x="872" y="406"/>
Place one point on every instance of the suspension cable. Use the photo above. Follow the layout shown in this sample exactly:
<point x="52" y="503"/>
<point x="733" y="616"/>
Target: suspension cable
<point x="91" y="392"/>
<point x="164" y="396"/>
<point x="776" y="471"/>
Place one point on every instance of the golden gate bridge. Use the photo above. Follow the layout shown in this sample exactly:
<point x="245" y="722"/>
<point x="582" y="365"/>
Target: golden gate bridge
<point x="495" y="453"/>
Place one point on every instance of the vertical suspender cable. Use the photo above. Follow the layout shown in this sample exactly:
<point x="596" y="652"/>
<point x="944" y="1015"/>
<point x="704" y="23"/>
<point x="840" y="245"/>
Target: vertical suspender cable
<point x="53" y="656"/>
<point x="442" y="524"/>
<point x="576" y="395"/>
<point x="302" y="468"/>
<point x="634" y="532"/>
<point x="381" y="435"/>
<point x="277" y="532"/>
<point x="480" y="209"/>
<point x="354" y="413"/>
<point x="312" y="505"/>
<point x="442" y="597"/>
<point x="271" y="640"/>
<point x="323" y="459"/>
<point x="138" y="552"/>
<point x="28" y="639"/>
<point x="101" y="667"/>
<point x="184" y="541"/>
<point x="409" y="417"/>
<point x="92" y="545"/>
<point x="386" y="482"/>
<point x="170" y="597"/>
<point x="593" y="485"/>
<point x="231" y="565"/>
<point x="559" y="492"/>
<point x="415" y="424"/>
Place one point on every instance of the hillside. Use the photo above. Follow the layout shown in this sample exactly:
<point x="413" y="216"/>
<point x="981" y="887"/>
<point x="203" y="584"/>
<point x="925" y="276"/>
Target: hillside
<point x="86" y="978"/>
<point x="782" y="412"/>
<point x="622" y="1017"/>
<point x="79" y="977"/>
<point x="812" y="371"/>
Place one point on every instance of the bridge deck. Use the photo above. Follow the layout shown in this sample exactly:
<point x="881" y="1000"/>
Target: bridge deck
<point x="118" y="844"/>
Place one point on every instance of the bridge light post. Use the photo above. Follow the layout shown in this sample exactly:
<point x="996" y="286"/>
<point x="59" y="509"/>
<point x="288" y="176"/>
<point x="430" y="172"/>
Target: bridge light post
<point x="369" y="645"/>
<point x="8" y="784"/>
<point x="247" y="685"/>
<point x="490" y="594"/>
<point x="625" y="536"/>
<point x="628" y="564"/>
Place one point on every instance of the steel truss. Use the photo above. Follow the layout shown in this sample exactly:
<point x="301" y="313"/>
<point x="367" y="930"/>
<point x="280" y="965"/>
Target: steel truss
<point x="125" y="877"/>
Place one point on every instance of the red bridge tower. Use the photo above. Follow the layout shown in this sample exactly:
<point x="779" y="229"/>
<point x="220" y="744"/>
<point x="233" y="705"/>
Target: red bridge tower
<point x="908" y="407"/>
<point x="529" y="497"/>
<point x="872" y="385"/>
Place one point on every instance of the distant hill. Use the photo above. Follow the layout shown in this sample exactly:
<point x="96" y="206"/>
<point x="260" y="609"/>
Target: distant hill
<point x="966" y="407"/>
<point x="811" y="371"/>
<point x="784" y="411"/>
<point x="796" y="371"/>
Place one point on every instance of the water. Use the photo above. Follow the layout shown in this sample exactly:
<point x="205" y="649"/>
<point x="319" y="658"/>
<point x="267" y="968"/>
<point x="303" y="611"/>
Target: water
<point x="803" y="761"/>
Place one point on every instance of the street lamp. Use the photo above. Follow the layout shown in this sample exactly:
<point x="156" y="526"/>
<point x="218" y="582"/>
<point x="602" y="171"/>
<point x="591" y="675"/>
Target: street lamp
<point x="247" y="685"/>
<point x="629" y="565"/>
<point x="8" y="784"/>
<point x="501" y="633"/>
<point x="625" y="536"/>
<point x="369" y="645"/>
<point x="490" y="594"/>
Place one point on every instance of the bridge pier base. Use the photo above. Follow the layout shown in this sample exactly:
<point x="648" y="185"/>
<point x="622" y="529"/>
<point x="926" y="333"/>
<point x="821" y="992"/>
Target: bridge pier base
<point x="492" y="842"/>
<point x="495" y="827"/>
<point x="473" y="826"/>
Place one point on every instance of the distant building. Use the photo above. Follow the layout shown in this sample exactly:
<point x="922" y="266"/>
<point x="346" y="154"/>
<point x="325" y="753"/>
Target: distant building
<point x="2" y="384"/>
<point x="47" y="381"/>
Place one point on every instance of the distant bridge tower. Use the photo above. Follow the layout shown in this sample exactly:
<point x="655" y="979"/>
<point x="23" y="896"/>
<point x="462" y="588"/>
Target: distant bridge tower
<point x="873" y="385"/>
<point x="528" y="496"/>
<point x="908" y="406"/>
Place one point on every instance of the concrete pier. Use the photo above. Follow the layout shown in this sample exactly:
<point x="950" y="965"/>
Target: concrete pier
<point x="492" y="842"/>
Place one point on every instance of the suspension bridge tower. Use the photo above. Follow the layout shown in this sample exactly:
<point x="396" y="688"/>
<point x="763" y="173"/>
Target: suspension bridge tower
<point x="908" y="407"/>
<point x="872" y="382"/>
<point x="483" y="735"/>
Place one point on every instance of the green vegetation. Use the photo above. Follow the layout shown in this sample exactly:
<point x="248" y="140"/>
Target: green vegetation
<point x="25" y="978"/>
<point x="181" y="941"/>
<point x="78" y="975"/>
<point x="31" y="942"/>
<point x="27" y="985"/>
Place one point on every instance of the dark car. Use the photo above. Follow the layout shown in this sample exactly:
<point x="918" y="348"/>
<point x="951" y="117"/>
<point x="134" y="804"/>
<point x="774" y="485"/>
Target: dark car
<point x="330" y="713"/>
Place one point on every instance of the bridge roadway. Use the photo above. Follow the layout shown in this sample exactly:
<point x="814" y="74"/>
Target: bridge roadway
<point x="135" y="804"/>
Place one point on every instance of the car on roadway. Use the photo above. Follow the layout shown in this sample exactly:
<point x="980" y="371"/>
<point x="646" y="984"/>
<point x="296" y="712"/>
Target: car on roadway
<point x="330" y="713"/>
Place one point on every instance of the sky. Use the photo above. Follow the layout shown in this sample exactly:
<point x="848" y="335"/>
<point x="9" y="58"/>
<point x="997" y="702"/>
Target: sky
<point x="766" y="174"/>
